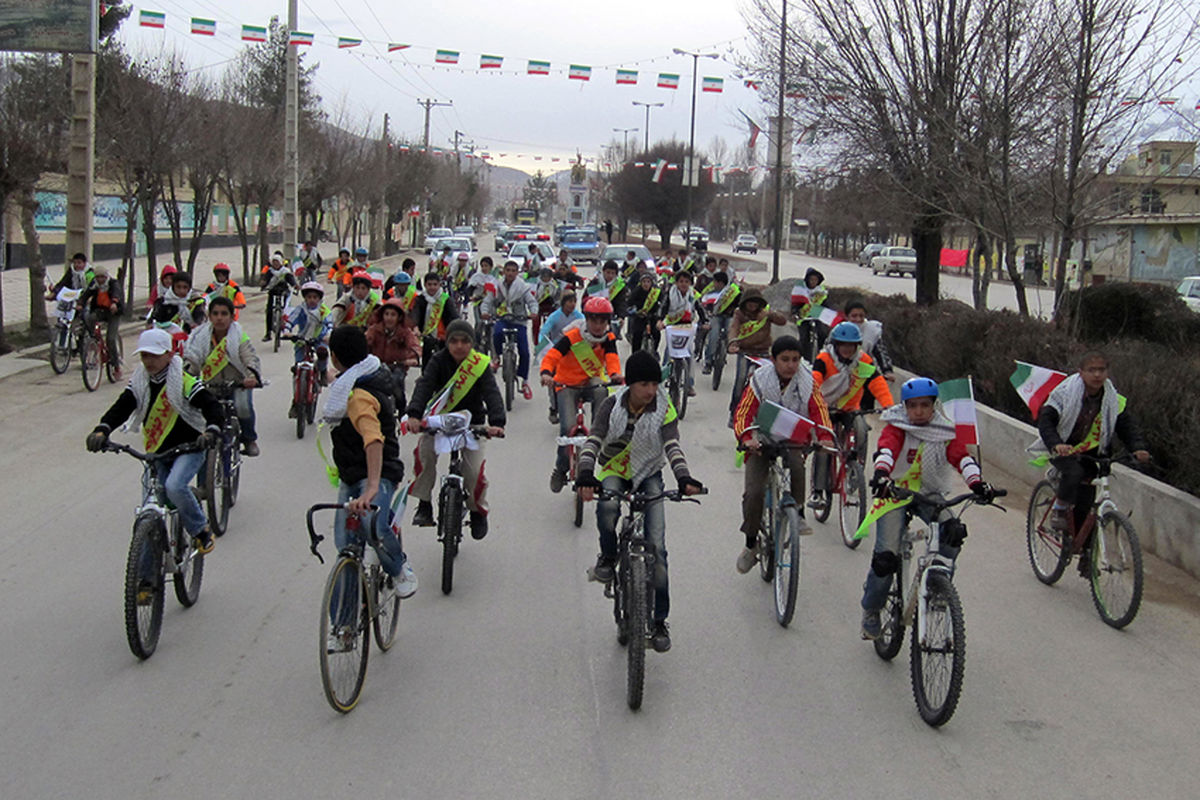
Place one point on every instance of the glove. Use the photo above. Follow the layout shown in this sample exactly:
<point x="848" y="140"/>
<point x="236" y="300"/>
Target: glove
<point x="586" y="479"/>
<point x="211" y="438"/>
<point x="984" y="491"/>
<point x="881" y="483"/>
<point x="686" y="482"/>
<point x="96" y="440"/>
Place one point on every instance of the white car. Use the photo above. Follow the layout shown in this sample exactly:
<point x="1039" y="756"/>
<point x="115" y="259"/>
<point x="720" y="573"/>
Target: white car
<point x="745" y="243"/>
<point x="900" y="260"/>
<point x="457" y="244"/>
<point x="1189" y="291"/>
<point x="520" y="251"/>
<point x="467" y="232"/>
<point x="617" y="253"/>
<point x="435" y="234"/>
<point x="867" y="253"/>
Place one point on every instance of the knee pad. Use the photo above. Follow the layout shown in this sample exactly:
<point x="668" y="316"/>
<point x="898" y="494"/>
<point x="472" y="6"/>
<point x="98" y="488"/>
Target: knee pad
<point x="952" y="533"/>
<point x="885" y="563"/>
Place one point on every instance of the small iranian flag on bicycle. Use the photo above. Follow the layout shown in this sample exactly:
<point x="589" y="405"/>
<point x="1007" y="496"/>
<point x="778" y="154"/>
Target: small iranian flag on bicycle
<point x="782" y="424"/>
<point x="1034" y="384"/>
<point x="958" y="399"/>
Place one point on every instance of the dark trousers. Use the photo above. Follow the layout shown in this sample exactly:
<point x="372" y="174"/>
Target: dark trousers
<point x="1074" y="484"/>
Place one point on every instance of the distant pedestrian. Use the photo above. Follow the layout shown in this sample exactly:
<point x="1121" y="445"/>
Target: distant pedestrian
<point x="608" y="229"/>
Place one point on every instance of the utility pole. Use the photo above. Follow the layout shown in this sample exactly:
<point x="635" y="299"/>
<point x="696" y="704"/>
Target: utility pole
<point x="291" y="139"/>
<point x="779" y="145"/>
<point x="691" y="175"/>
<point x="379" y="233"/>
<point x="81" y="158"/>
<point x="648" y="107"/>
<point x="428" y="104"/>
<point x="625" y="146"/>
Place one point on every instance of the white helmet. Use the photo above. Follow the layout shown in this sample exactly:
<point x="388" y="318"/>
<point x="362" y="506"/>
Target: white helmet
<point x="312" y="286"/>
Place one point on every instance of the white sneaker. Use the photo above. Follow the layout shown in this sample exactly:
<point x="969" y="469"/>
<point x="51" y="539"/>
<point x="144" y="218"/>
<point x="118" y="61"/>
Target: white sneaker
<point x="804" y="530"/>
<point x="405" y="582"/>
<point x="747" y="559"/>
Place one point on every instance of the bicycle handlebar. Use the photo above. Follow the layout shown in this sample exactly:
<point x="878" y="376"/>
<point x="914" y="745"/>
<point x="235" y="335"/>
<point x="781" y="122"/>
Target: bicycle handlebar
<point x="315" y="538"/>
<point x="939" y="504"/>
<point x="178" y="450"/>
<point x="667" y="494"/>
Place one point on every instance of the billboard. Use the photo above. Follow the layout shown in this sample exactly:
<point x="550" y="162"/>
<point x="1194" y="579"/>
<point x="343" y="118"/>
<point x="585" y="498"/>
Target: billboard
<point x="57" y="26"/>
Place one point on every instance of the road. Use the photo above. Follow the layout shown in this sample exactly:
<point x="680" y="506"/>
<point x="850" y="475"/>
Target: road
<point x="513" y="687"/>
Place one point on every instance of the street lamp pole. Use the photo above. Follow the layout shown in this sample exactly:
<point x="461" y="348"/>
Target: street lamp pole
<point x="648" y="107"/>
<point x="691" y="165"/>
<point x="625" y="147"/>
<point x="779" y="131"/>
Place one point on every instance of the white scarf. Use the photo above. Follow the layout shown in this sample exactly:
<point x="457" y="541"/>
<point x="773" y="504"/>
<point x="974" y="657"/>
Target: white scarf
<point x="794" y="396"/>
<point x="139" y="384"/>
<point x="181" y="303"/>
<point x="581" y="326"/>
<point x="872" y="332"/>
<point x="646" y="455"/>
<point x="835" y="385"/>
<point x="935" y="436"/>
<point x="1067" y="400"/>
<point x="677" y="301"/>
<point x="199" y="345"/>
<point x="339" y="393"/>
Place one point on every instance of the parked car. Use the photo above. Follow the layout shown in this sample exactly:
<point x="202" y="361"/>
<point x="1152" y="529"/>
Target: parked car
<point x="867" y="253"/>
<point x="435" y="234"/>
<point x="900" y="260"/>
<point x="1189" y="290"/>
<point x="582" y="245"/>
<point x="468" y="232"/>
<point x="616" y="252"/>
<point x="745" y="243"/>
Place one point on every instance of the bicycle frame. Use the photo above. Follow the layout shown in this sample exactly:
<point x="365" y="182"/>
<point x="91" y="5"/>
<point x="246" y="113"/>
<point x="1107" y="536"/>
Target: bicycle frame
<point x="1103" y="504"/>
<point x="355" y="548"/>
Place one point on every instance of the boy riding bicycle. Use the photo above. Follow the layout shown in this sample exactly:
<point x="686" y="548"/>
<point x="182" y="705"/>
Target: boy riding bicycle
<point x="219" y="350"/>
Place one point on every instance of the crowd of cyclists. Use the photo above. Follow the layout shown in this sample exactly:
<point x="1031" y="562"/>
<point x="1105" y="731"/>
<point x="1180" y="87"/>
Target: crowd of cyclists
<point x="448" y="322"/>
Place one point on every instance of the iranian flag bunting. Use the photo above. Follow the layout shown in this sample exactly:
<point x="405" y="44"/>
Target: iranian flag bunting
<point x="1034" y="384"/>
<point x="345" y="41"/>
<point x="668" y="80"/>
<point x="254" y="33"/>
<point x="779" y="423"/>
<point x="712" y="85"/>
<point x="446" y="57"/>
<point x="491" y="62"/>
<point x="300" y="38"/>
<point x="204" y="27"/>
<point x="151" y="19"/>
<point x="538" y="68"/>
<point x="394" y="46"/>
<point x="579" y="72"/>
<point x="627" y="77"/>
<point x="659" y="166"/>
<point x="958" y="398"/>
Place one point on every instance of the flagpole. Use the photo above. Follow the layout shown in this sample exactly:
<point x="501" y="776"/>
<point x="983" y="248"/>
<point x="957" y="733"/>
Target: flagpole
<point x="978" y="438"/>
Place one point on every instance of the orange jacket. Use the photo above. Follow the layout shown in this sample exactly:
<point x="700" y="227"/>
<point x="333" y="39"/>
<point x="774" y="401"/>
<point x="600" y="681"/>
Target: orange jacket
<point x="339" y="272"/>
<point x="562" y="364"/>
<point x="867" y="377"/>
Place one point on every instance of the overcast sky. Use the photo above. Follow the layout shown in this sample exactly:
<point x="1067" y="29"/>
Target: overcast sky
<point x="549" y="116"/>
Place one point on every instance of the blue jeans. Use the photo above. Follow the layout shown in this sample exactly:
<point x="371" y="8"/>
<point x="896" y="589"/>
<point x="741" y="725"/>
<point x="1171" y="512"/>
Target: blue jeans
<point x="522" y="345"/>
<point x="607" y="513"/>
<point x="391" y="553"/>
<point x="717" y="323"/>
<point x="566" y="416"/>
<point x="245" y="414"/>
<point x="888" y="531"/>
<point x="176" y="476"/>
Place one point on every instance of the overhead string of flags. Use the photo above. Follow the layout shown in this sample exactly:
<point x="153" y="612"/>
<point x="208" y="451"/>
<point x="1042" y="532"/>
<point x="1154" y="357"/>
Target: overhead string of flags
<point x="623" y="75"/>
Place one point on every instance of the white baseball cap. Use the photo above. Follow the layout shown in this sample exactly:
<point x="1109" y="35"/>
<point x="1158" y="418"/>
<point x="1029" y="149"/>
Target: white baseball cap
<point x="154" y="341"/>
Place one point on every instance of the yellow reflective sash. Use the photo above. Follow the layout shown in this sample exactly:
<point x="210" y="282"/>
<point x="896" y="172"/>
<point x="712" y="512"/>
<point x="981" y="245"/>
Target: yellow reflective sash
<point x="751" y="326"/>
<point x="469" y="371"/>
<point x="585" y="354"/>
<point x="433" y="316"/>
<point x="911" y="480"/>
<point x="1090" y="442"/>
<point x="545" y="291"/>
<point x="616" y="287"/>
<point x="409" y="298"/>
<point x="727" y="297"/>
<point x="862" y="371"/>
<point x="159" y="422"/>
<point x="651" y="300"/>
<point x="218" y="359"/>
<point x="360" y="319"/>
<point x="619" y="464"/>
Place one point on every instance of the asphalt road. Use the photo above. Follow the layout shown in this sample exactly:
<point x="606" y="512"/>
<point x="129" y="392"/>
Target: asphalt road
<point x="513" y="687"/>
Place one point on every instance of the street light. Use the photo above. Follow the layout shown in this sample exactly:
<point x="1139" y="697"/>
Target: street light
<point x="692" y="136"/>
<point x="648" y="107"/>
<point x="625" y="147"/>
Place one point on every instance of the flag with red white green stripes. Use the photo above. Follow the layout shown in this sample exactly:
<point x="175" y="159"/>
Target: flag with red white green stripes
<point x="828" y="316"/>
<point x="782" y="424"/>
<point x="958" y="400"/>
<point x="1034" y="384"/>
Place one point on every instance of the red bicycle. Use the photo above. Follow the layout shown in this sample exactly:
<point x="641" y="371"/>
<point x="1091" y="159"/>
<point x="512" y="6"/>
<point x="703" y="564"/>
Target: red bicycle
<point x="576" y="436"/>
<point x="845" y="478"/>
<point x="306" y="384"/>
<point x="94" y="357"/>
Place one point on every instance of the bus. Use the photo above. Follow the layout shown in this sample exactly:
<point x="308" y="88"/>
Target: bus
<point x="525" y="216"/>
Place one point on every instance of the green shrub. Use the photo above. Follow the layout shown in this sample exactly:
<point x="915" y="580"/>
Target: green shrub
<point x="1130" y="311"/>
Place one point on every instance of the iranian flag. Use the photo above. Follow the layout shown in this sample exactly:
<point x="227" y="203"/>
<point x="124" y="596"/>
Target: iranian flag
<point x="579" y="72"/>
<point x="394" y="46"/>
<point x="346" y="41"/>
<point x="712" y="85"/>
<point x="491" y="62"/>
<point x="668" y="80"/>
<point x="204" y="27"/>
<point x="659" y="166"/>
<point x="151" y="19"/>
<point x="538" y="68"/>
<point x="446" y="57"/>
<point x="300" y="38"/>
<point x="1034" y="384"/>
<point x="829" y="316"/>
<point x="958" y="398"/>
<point x="779" y="423"/>
<point x="254" y="33"/>
<point x="627" y="77"/>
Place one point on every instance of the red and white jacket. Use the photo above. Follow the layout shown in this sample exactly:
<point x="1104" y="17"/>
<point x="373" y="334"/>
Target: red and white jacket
<point x="898" y="451"/>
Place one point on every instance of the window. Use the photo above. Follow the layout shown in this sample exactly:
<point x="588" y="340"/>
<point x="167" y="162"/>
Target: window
<point x="577" y="198"/>
<point x="1152" y="202"/>
<point x="1164" y="158"/>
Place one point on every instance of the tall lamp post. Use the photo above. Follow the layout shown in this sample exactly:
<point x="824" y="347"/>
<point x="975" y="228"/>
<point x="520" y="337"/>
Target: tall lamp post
<point x="779" y="146"/>
<point x="625" y="147"/>
<point x="648" y="107"/>
<point x="691" y="171"/>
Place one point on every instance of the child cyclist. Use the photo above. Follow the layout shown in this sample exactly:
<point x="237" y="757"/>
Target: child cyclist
<point x="918" y="447"/>
<point x="635" y="433"/>
<point x="553" y="329"/>
<point x="1079" y="418"/>
<point x="788" y="382"/>
<point x="310" y="321"/>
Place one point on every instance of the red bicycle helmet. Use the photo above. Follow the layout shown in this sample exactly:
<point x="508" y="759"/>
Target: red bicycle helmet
<point x="598" y="306"/>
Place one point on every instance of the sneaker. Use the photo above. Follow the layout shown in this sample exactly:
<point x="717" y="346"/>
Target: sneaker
<point x="805" y="530"/>
<point x="554" y="416"/>
<point x="424" y="516"/>
<point x="871" y="627"/>
<point x="660" y="637"/>
<point x="479" y="525"/>
<point x="267" y="338"/>
<point x="250" y="449"/>
<point x="707" y="369"/>
<point x="691" y="391"/>
<point x="292" y="411"/>
<point x="603" y="570"/>
<point x="1059" y="520"/>
<point x="405" y="583"/>
<point x="1085" y="564"/>
<point x="203" y="542"/>
<point x="747" y="559"/>
<point x="526" y="391"/>
<point x="118" y="375"/>
<point x="558" y="479"/>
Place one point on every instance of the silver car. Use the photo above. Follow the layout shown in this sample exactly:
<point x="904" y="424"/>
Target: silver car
<point x="1189" y="291"/>
<point x="900" y="260"/>
<point x="867" y="253"/>
<point x="435" y="234"/>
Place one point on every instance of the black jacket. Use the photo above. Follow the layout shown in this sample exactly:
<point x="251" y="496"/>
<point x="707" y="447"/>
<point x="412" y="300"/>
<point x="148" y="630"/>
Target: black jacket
<point x="421" y="307"/>
<point x="181" y="433"/>
<point x="1126" y="430"/>
<point x="348" y="454"/>
<point x="484" y="395"/>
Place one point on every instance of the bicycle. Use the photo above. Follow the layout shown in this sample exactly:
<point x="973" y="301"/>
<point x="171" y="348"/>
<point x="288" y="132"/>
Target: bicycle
<point x="157" y="549"/>
<point x="63" y="339"/>
<point x="452" y="495"/>
<point x="845" y="479"/>
<point x="223" y="468"/>
<point x="276" y="306"/>
<point x="679" y="353"/>
<point x="720" y="355"/>
<point x="779" y="532"/>
<point x="94" y="356"/>
<point x="577" y="436"/>
<point x="808" y="333"/>
<point x="1113" y="559"/>
<point x="930" y="605"/>
<point x="306" y="384"/>
<point x="509" y="356"/>
<point x="632" y="586"/>
<point x="359" y="598"/>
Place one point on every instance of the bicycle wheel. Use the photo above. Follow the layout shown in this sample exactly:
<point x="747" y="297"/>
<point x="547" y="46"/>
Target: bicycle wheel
<point x="191" y="569"/>
<point x="852" y="500"/>
<point x="718" y="367"/>
<point x="509" y="369"/>
<point x="766" y="534"/>
<point x="635" y="622"/>
<point x="578" y="510"/>
<point x="891" y="631"/>
<point x="300" y="400"/>
<point x="387" y="615"/>
<point x="1115" y="560"/>
<point x="215" y="496"/>
<point x="821" y="513"/>
<point x="685" y="380"/>
<point x="787" y="565"/>
<point x="1047" y="555"/>
<point x="89" y="362"/>
<point x="345" y="635"/>
<point x="233" y="479"/>
<point x="449" y="529"/>
<point x="673" y="384"/>
<point x="144" y="586"/>
<point x="938" y="662"/>
<point x="277" y="324"/>
<point x="60" y="349"/>
<point x="110" y="366"/>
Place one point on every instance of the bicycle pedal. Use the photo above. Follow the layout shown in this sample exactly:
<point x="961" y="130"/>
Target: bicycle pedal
<point x="609" y="591"/>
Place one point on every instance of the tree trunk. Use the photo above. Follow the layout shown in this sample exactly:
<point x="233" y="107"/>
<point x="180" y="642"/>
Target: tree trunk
<point x="147" y="205"/>
<point x="263" y="244"/>
<point x="128" y="272"/>
<point x="927" y="241"/>
<point x="37" y="270"/>
<point x="5" y="347"/>
<point x="1014" y="274"/>
<point x="175" y="224"/>
<point x="664" y="235"/>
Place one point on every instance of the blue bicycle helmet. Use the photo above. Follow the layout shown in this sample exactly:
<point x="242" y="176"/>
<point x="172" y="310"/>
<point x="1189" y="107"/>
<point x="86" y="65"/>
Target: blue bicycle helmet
<point x="362" y="251"/>
<point x="846" y="332"/>
<point x="918" y="387"/>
